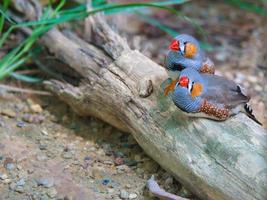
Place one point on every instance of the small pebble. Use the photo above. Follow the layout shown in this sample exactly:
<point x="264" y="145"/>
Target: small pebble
<point x="10" y="166"/>
<point x="87" y="158"/>
<point x="41" y="157"/>
<point x="52" y="192"/>
<point x="124" y="194"/>
<point x="21" y="124"/>
<point x="44" y="132"/>
<point x="36" y="108"/>
<point x="33" y="118"/>
<point x="132" y="196"/>
<point x="67" y="155"/>
<point x="98" y="172"/>
<point x="110" y="190"/>
<point x="19" y="189"/>
<point x="119" y="161"/>
<point x="258" y="88"/>
<point x="240" y="78"/>
<point x="8" y="112"/>
<point x="253" y="79"/>
<point x="123" y="168"/>
<point x="12" y="186"/>
<point x="30" y="170"/>
<point x="42" y="146"/>
<point x="46" y="182"/>
<point x="21" y="182"/>
<point x="3" y="176"/>
<point x="19" y="167"/>
<point x="105" y="181"/>
<point x="7" y="181"/>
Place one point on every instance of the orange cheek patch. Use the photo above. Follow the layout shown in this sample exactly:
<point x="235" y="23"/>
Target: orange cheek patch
<point x="190" y="50"/>
<point x="169" y="88"/>
<point x="197" y="89"/>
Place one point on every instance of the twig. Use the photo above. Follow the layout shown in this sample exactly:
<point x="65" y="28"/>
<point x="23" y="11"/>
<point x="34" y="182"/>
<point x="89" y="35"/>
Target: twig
<point x="22" y="90"/>
<point x="156" y="191"/>
<point x="28" y="71"/>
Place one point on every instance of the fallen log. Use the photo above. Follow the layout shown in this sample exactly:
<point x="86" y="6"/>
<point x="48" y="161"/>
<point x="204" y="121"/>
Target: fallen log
<point x="215" y="160"/>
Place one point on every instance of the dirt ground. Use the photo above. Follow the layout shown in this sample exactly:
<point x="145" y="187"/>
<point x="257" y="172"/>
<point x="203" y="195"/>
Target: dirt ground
<point x="48" y="152"/>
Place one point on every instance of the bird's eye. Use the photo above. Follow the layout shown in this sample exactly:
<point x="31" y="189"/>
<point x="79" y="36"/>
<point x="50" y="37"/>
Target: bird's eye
<point x="192" y="86"/>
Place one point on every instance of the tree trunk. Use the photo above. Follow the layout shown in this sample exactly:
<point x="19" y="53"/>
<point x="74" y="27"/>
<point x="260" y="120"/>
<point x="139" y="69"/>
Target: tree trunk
<point x="215" y="160"/>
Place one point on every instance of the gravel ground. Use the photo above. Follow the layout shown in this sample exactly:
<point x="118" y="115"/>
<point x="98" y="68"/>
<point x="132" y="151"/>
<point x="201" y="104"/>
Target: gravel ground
<point x="47" y="152"/>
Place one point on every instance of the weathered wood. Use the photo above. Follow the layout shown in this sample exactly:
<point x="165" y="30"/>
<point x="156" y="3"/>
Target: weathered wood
<point x="215" y="160"/>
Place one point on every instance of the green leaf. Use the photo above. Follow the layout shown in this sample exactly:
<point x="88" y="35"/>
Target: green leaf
<point x="26" y="78"/>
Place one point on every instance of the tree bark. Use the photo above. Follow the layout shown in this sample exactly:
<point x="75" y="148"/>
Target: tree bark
<point x="215" y="160"/>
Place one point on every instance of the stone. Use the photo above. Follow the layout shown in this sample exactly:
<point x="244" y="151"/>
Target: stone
<point x="12" y="186"/>
<point x="52" y="193"/>
<point x="19" y="189"/>
<point x="110" y="190"/>
<point x="98" y="172"/>
<point x="240" y="78"/>
<point x="7" y="181"/>
<point x="124" y="194"/>
<point x="10" y="166"/>
<point x="21" y="124"/>
<point x="46" y="182"/>
<point x="3" y="176"/>
<point x="19" y="167"/>
<point x="42" y="146"/>
<point x="67" y="155"/>
<point x="119" y="161"/>
<point x="21" y="182"/>
<point x="132" y="196"/>
<point x="8" y="112"/>
<point x="258" y="88"/>
<point x="253" y="79"/>
<point x="36" y="108"/>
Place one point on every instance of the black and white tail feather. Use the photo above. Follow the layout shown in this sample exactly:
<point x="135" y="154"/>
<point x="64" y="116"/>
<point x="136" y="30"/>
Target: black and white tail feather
<point x="249" y="112"/>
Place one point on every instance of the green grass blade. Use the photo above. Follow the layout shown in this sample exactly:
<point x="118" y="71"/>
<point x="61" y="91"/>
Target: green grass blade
<point x="26" y="78"/>
<point x="96" y="3"/>
<point x="136" y="6"/>
<point x="248" y="6"/>
<point x="3" y="15"/>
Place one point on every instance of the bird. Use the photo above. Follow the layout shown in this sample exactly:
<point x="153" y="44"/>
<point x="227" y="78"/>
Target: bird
<point x="210" y="96"/>
<point x="185" y="52"/>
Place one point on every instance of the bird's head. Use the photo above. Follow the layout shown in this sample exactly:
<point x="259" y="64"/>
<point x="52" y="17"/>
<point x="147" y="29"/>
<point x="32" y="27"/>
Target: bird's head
<point x="188" y="90"/>
<point x="185" y="44"/>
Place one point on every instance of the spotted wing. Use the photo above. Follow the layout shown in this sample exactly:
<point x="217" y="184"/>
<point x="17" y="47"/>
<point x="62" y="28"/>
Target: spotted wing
<point x="222" y="92"/>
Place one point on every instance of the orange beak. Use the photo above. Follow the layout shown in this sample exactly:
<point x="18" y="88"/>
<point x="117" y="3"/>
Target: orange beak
<point x="183" y="82"/>
<point x="174" y="46"/>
